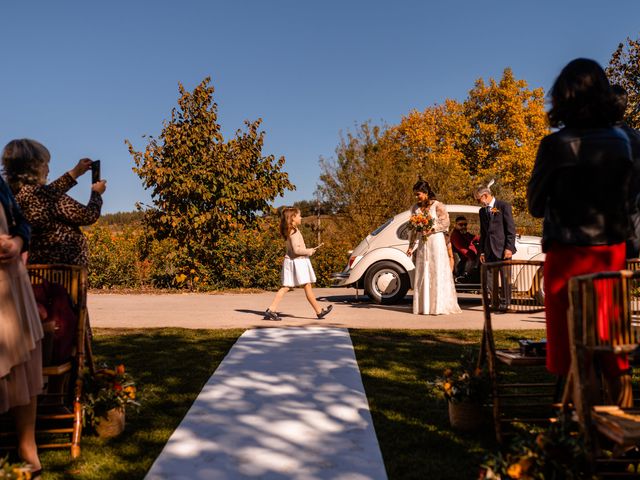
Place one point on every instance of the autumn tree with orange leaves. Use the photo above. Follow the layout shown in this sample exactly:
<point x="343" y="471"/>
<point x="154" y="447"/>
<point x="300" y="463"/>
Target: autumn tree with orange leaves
<point x="433" y="141"/>
<point x="493" y="133"/>
<point x="366" y="181"/>
<point x="507" y="122"/>
<point x="624" y="70"/>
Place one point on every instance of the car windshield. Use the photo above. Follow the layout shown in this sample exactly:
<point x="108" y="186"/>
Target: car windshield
<point x="381" y="227"/>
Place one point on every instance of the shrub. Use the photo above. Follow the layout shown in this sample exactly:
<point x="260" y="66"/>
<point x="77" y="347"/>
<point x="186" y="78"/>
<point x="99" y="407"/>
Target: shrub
<point x="114" y="258"/>
<point x="330" y="258"/>
<point x="249" y="257"/>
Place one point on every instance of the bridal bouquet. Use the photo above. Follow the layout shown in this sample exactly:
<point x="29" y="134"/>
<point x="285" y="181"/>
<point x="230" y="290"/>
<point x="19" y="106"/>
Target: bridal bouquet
<point x="421" y="223"/>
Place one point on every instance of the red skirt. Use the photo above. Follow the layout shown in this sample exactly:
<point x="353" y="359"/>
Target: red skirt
<point x="563" y="262"/>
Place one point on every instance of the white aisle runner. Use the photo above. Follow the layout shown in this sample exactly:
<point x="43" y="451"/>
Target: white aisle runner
<point x="286" y="403"/>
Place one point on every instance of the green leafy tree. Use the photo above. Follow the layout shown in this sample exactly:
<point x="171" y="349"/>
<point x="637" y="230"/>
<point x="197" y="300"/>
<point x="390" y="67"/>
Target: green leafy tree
<point x="624" y="70"/>
<point x="203" y="186"/>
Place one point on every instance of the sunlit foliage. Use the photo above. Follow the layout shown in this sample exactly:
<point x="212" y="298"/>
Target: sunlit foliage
<point x="202" y="185"/>
<point x="624" y="70"/>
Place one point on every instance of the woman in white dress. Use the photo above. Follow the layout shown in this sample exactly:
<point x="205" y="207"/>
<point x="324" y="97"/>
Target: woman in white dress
<point x="296" y="268"/>
<point x="434" y="292"/>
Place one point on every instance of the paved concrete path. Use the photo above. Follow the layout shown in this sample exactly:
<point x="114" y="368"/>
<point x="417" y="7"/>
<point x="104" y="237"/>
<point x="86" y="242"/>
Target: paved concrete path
<point x="285" y="403"/>
<point x="246" y="310"/>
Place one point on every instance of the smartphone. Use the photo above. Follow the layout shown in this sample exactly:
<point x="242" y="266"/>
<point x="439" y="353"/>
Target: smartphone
<point x="95" y="171"/>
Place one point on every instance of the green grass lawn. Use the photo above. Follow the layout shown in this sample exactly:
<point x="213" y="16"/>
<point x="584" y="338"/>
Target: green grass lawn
<point x="410" y="415"/>
<point x="172" y="365"/>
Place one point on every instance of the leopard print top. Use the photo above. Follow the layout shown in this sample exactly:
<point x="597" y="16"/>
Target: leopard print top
<point x="55" y="220"/>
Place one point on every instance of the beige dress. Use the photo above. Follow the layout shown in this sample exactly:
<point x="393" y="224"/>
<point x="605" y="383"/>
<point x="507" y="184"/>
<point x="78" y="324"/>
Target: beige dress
<point x="20" y="334"/>
<point x="296" y="267"/>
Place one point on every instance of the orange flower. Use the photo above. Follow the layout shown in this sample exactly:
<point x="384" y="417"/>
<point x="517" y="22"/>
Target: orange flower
<point x="117" y="387"/>
<point x="120" y="369"/>
<point x="515" y="470"/>
<point x="131" y="391"/>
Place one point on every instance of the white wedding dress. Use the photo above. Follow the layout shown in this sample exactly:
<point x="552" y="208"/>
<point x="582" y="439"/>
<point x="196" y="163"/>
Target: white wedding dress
<point x="434" y="292"/>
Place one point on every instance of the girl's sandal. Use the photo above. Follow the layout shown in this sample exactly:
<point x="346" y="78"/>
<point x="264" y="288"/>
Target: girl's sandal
<point x="36" y="474"/>
<point x="324" y="312"/>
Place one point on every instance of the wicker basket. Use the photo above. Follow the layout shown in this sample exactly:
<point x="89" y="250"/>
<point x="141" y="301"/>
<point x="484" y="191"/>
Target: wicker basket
<point x="113" y="425"/>
<point x="465" y="416"/>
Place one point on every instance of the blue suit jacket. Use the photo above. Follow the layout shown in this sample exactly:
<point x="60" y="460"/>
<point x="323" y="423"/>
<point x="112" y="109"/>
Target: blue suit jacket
<point x="497" y="231"/>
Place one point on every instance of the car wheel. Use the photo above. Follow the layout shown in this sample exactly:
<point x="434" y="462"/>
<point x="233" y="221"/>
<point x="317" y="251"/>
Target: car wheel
<point x="538" y="287"/>
<point x="386" y="283"/>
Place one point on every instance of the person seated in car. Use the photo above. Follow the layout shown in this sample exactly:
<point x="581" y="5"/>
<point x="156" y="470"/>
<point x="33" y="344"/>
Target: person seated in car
<point x="465" y="245"/>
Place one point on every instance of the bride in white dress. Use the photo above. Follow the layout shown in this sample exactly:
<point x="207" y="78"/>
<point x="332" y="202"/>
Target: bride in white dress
<point x="434" y="292"/>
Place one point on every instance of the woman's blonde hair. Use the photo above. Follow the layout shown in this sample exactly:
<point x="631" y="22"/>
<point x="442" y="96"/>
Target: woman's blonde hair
<point x="23" y="163"/>
<point x="286" y="221"/>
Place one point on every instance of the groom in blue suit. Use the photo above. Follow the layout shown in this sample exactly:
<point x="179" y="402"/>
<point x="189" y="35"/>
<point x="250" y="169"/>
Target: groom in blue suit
<point x="497" y="236"/>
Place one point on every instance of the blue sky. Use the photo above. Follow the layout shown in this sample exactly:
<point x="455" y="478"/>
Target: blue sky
<point x="81" y="77"/>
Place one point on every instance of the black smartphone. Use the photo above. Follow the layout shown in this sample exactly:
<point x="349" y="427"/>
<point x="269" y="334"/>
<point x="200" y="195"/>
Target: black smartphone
<point x="95" y="171"/>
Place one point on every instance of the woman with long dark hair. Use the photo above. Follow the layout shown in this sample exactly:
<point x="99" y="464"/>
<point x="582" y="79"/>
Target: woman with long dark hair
<point x="579" y="185"/>
<point x="434" y="292"/>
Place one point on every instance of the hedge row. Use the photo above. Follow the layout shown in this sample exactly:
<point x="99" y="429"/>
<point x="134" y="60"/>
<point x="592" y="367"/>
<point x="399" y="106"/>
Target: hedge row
<point x="125" y="257"/>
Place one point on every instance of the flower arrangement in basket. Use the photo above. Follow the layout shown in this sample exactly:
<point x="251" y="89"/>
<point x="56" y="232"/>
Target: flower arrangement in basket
<point x="464" y="382"/>
<point x="555" y="453"/>
<point x="105" y="391"/>
<point x="465" y="389"/>
<point x="14" y="471"/>
<point x="421" y="223"/>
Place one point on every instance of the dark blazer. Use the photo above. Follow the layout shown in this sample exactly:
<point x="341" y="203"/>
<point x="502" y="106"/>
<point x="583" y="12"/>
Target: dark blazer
<point x="18" y="226"/>
<point x="497" y="231"/>
<point x="580" y="185"/>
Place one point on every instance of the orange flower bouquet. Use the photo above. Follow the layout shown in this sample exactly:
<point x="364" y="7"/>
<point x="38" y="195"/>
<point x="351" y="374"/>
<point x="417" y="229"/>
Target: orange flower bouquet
<point x="421" y="223"/>
<point x="107" y="389"/>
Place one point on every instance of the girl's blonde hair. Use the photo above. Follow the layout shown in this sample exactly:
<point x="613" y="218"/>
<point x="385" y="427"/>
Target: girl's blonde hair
<point x="286" y="221"/>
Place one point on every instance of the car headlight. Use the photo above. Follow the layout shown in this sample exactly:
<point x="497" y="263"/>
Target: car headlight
<point x="353" y="261"/>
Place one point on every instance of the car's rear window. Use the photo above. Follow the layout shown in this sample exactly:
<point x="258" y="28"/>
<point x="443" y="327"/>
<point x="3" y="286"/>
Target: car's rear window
<point x="381" y="227"/>
<point x="403" y="231"/>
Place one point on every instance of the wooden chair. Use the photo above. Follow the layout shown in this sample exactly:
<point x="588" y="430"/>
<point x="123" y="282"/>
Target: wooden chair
<point x="604" y="319"/>
<point x="59" y="418"/>
<point x="514" y="401"/>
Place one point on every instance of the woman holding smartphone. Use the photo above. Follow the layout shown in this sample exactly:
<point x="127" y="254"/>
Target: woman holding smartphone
<point x="54" y="216"/>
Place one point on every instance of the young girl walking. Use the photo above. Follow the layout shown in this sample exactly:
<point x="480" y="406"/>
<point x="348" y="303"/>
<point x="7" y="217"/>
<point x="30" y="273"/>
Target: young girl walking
<point x="296" y="267"/>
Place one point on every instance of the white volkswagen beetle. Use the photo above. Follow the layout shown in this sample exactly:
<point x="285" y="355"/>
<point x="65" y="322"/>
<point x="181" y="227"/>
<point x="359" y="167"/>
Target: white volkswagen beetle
<point x="380" y="265"/>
